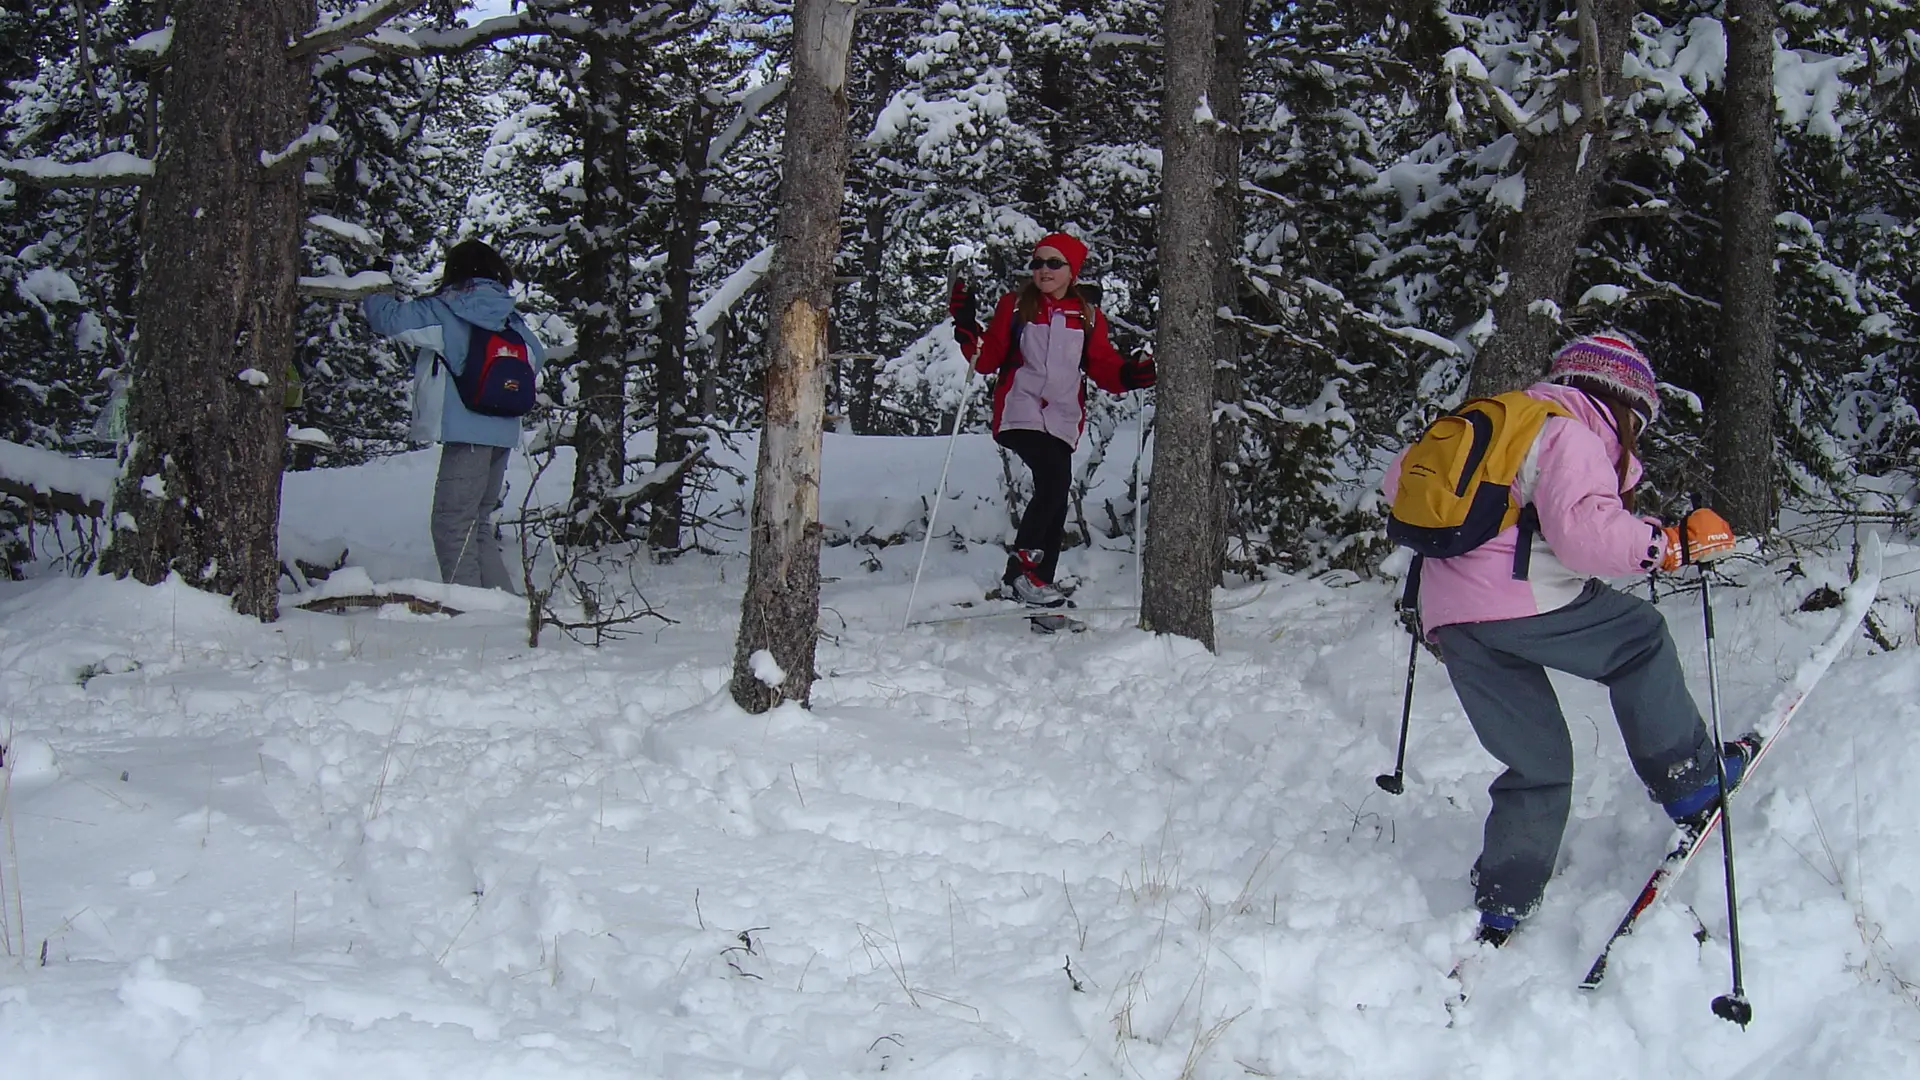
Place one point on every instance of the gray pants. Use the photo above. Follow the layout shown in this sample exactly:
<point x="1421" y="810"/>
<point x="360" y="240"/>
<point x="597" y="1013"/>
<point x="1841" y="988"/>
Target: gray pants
<point x="465" y="493"/>
<point x="1499" y="672"/>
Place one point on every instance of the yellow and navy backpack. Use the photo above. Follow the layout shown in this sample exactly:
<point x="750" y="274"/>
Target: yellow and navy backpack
<point x="1456" y="480"/>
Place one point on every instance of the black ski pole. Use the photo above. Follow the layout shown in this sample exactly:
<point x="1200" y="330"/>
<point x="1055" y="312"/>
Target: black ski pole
<point x="1396" y="782"/>
<point x="1731" y="1006"/>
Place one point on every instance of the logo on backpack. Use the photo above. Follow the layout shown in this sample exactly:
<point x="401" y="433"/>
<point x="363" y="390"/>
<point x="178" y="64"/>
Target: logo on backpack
<point x="498" y="379"/>
<point x="1456" y="481"/>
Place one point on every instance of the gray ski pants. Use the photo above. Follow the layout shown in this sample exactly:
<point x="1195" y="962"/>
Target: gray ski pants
<point x="1499" y="672"/>
<point x="465" y="493"/>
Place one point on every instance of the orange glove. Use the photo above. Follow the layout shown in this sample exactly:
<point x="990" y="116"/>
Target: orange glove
<point x="1709" y="537"/>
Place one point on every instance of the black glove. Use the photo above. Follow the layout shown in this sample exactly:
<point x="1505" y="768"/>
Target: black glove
<point x="966" y="327"/>
<point x="1138" y="373"/>
<point x="383" y="265"/>
<point x="1410" y="618"/>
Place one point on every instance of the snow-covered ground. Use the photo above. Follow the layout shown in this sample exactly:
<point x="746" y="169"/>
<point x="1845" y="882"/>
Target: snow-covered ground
<point x="384" y="845"/>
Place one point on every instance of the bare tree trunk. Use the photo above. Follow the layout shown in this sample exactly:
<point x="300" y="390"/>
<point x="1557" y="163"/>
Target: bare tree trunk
<point x="1178" y="583"/>
<point x="1563" y="170"/>
<point x="671" y="439"/>
<point x="200" y="492"/>
<point x="1743" y="402"/>
<point x="1230" y="62"/>
<point x="600" y="366"/>
<point x="780" y="613"/>
<point x="873" y="250"/>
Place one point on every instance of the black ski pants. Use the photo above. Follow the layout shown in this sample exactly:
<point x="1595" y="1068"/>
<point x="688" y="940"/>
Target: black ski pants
<point x="1044" y="524"/>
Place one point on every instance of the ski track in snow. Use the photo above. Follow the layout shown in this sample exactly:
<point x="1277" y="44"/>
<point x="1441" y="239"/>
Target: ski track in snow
<point x="402" y="846"/>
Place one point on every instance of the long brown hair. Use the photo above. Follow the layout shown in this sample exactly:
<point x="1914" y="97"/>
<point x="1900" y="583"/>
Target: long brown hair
<point x="1626" y="426"/>
<point x="1028" y="306"/>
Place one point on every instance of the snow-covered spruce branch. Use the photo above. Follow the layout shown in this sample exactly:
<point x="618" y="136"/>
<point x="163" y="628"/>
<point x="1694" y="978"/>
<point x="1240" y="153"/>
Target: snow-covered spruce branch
<point x="295" y="154"/>
<point x="108" y="170"/>
<point x="357" y="23"/>
<point x="1639" y="210"/>
<point x="536" y="18"/>
<point x="150" y="49"/>
<point x="751" y="106"/>
<point x="344" y="286"/>
<point x="357" y="235"/>
<point x="736" y="285"/>
<point x="1460" y="64"/>
<point x="1250" y="187"/>
<point x="386" y="42"/>
<point x="1107" y="39"/>
<point x="1267" y="279"/>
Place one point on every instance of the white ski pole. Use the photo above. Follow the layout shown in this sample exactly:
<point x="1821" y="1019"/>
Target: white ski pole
<point x="1139" y="508"/>
<point x="939" y="494"/>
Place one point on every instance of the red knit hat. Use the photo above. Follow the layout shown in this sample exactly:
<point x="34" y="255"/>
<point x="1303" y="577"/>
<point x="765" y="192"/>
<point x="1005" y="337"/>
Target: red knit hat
<point x="1069" y="248"/>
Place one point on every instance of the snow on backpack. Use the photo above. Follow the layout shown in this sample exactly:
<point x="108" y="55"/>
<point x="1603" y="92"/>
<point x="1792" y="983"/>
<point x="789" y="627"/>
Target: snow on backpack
<point x="498" y="379"/>
<point x="1456" y="481"/>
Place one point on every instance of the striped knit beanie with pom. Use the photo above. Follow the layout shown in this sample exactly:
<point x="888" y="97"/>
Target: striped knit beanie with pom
<point x="1608" y="362"/>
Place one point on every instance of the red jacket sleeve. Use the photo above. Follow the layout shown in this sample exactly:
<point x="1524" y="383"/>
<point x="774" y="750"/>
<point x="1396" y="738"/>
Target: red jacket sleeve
<point x="999" y="337"/>
<point x="1103" y="360"/>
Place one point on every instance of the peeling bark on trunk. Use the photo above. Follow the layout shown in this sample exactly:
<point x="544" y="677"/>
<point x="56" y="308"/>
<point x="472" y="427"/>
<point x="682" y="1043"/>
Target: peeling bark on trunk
<point x="1563" y="170"/>
<point x="780" y="612"/>
<point x="1743" y="402"/>
<point x="200" y="494"/>
<point x="600" y="367"/>
<point x="671" y="404"/>
<point x="1178" y="585"/>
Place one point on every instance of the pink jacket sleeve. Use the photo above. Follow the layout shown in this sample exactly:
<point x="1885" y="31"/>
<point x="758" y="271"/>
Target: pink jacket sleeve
<point x="1390" y="483"/>
<point x="1581" y="515"/>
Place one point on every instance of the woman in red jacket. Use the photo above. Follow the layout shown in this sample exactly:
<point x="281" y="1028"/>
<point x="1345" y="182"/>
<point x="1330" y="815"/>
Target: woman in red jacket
<point x="1042" y="345"/>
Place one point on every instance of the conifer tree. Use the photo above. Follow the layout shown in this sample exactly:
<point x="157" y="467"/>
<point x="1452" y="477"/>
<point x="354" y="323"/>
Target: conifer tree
<point x="1178" y="575"/>
<point x="1744" y="363"/>
<point x="200" y="493"/>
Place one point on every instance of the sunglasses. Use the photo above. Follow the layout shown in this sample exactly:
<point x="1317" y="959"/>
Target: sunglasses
<point x="1051" y="264"/>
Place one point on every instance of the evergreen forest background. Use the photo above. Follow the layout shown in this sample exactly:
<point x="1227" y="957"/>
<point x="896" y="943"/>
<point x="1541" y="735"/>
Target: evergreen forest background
<point x="627" y="158"/>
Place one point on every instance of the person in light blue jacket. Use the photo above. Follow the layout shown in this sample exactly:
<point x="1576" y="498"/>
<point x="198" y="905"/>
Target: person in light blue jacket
<point x="473" y="448"/>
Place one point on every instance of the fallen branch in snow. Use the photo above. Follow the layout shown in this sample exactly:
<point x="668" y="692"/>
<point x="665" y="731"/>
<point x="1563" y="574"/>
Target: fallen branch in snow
<point x="59" y="502"/>
<point x="45" y="495"/>
<point x="305" y="573"/>
<point x="340" y="605"/>
<point x="117" y="169"/>
<point x="610" y="596"/>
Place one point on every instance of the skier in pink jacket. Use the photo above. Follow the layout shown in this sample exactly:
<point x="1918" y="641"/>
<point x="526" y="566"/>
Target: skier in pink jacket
<point x="1498" y="634"/>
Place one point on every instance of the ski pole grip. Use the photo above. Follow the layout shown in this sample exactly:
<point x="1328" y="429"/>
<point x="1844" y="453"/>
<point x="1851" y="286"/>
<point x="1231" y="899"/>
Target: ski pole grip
<point x="1686" y="546"/>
